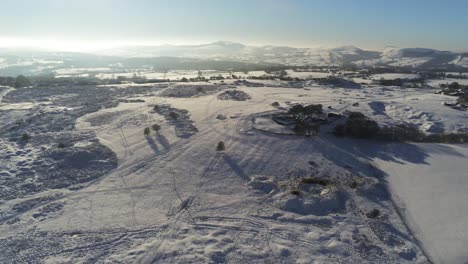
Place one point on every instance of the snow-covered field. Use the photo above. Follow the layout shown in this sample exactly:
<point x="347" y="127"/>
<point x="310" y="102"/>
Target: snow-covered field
<point x="437" y="82"/>
<point x="393" y="76"/>
<point x="430" y="181"/>
<point x="174" y="199"/>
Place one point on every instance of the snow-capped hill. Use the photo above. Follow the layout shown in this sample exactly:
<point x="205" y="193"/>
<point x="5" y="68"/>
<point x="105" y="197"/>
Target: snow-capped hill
<point x="351" y="54"/>
<point x="347" y="49"/>
<point x="412" y="57"/>
<point x="461" y="60"/>
<point x="32" y="61"/>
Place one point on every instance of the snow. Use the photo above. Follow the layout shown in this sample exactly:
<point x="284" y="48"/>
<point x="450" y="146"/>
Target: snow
<point x="437" y="82"/>
<point x="173" y="199"/>
<point x="432" y="190"/>
<point x="393" y="76"/>
<point x="308" y="74"/>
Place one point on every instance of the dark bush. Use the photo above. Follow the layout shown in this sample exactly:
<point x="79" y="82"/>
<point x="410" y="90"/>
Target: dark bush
<point x="156" y="127"/>
<point x="174" y="115"/>
<point x="401" y="133"/>
<point x="358" y="126"/>
<point x="340" y="130"/>
<point x="22" y="81"/>
<point x="463" y="100"/>
<point x="356" y="115"/>
<point x="311" y="109"/>
<point x="299" y="128"/>
<point x="220" y="146"/>
<point x="374" y="213"/>
<point x="25" y="137"/>
<point x="60" y="145"/>
<point x="146" y="131"/>
<point x="295" y="192"/>
<point x="314" y="180"/>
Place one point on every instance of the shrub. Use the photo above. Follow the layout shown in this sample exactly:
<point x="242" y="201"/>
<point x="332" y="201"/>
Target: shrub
<point x="296" y="110"/>
<point x="156" y="108"/>
<point x="174" y="115"/>
<point x="358" y="126"/>
<point x="401" y="133"/>
<point x="340" y="130"/>
<point x="220" y="146"/>
<point x="313" y="109"/>
<point x="299" y="128"/>
<point x="156" y="127"/>
<point x="25" y="137"/>
<point x="463" y="100"/>
<point x="275" y="104"/>
<point x="22" y="81"/>
<point x="146" y="131"/>
<point x="295" y="192"/>
<point x="60" y="145"/>
<point x="356" y="115"/>
<point x="374" y="213"/>
<point x="300" y="110"/>
<point x="314" y="180"/>
<point x="362" y="128"/>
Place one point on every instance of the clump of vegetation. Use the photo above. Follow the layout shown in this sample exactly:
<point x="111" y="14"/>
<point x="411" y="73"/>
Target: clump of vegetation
<point x="61" y="145"/>
<point x="174" y="115"/>
<point x="447" y="138"/>
<point x="221" y="117"/>
<point x="235" y="95"/>
<point x="299" y="129"/>
<point x="25" y="137"/>
<point x="220" y="147"/>
<point x="358" y="126"/>
<point x="146" y="131"/>
<point x="374" y="213"/>
<point x="306" y="128"/>
<point x="22" y="81"/>
<point x="156" y="128"/>
<point x="295" y="192"/>
<point x="401" y="133"/>
<point x="463" y="100"/>
<point x="275" y="104"/>
<point x="314" y="180"/>
<point x="300" y="112"/>
<point x="307" y="118"/>
<point x="354" y="185"/>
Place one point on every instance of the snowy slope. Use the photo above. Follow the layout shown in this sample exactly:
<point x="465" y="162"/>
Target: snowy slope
<point x="177" y="200"/>
<point x="432" y="189"/>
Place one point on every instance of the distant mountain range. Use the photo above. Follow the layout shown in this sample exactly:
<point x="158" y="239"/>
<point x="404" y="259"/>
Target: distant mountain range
<point x="390" y="56"/>
<point x="223" y="55"/>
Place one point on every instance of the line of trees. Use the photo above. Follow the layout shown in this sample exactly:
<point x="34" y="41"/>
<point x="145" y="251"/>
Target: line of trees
<point x="17" y="82"/>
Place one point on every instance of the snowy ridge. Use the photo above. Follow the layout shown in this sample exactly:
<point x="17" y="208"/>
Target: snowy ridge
<point x="389" y="56"/>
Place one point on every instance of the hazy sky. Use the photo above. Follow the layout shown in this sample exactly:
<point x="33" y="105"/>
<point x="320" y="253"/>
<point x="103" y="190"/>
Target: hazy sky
<point x="370" y="24"/>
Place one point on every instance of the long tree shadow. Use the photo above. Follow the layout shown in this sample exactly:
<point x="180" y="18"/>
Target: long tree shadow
<point x="152" y="144"/>
<point x="359" y="155"/>
<point x="235" y="167"/>
<point x="163" y="141"/>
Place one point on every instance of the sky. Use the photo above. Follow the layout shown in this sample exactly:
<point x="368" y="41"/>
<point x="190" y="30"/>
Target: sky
<point x="369" y="24"/>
